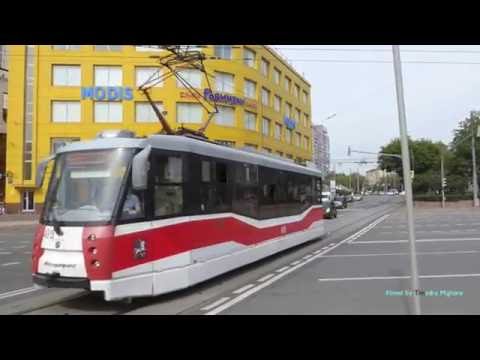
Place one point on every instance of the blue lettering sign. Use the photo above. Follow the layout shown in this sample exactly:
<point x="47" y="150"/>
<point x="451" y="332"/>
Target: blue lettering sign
<point x="128" y="94"/>
<point x="222" y="98"/>
<point x="109" y="93"/>
<point x="290" y="123"/>
<point x="87" y="92"/>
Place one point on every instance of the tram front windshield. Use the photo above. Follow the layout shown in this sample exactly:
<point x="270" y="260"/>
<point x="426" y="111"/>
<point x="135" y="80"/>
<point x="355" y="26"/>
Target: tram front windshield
<point x="85" y="186"/>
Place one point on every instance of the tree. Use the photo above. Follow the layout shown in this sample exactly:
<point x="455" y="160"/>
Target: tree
<point x="425" y="161"/>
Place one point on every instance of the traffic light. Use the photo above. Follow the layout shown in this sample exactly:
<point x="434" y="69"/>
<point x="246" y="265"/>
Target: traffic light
<point x="444" y="183"/>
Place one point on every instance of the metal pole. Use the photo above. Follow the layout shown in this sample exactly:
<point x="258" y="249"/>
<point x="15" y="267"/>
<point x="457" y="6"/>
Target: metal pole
<point x="406" y="174"/>
<point x="442" y="175"/>
<point x="474" y="162"/>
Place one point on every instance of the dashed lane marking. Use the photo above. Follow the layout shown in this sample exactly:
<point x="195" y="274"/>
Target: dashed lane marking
<point x="282" y="269"/>
<point x="11" y="264"/>
<point x="215" y="304"/>
<point x="243" y="289"/>
<point x="17" y="292"/>
<point x="265" y="278"/>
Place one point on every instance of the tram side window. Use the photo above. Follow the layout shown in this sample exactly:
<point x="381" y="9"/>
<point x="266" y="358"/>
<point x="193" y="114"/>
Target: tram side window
<point x="245" y="201"/>
<point x="168" y="185"/>
<point x="223" y="200"/>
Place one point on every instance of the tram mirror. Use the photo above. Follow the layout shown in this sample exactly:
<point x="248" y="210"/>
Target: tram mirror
<point x="41" y="168"/>
<point x="140" y="168"/>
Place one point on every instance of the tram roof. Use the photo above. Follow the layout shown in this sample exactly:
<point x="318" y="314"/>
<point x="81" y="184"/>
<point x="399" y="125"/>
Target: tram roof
<point x="189" y="145"/>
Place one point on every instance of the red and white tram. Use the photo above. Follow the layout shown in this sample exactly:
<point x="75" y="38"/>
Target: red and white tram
<point x="138" y="217"/>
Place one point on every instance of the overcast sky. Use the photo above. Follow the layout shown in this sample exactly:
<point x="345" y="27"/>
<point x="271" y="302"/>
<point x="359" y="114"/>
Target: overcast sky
<point x="363" y="96"/>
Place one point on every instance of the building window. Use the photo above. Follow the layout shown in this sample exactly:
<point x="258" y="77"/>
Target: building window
<point x="267" y="150"/>
<point x="225" y="116"/>
<point x="288" y="136"/>
<point x="27" y="201"/>
<point x="250" y="121"/>
<point x="305" y="120"/>
<point x="66" y="111"/>
<point x="223" y="52"/>
<point x="251" y="147"/>
<point x="277" y="103"/>
<point x="297" y="139"/>
<point x="278" y="131"/>
<point x="265" y="65"/>
<point x="306" y="141"/>
<point x="57" y="143"/>
<point x="3" y="57"/>
<point x="288" y="110"/>
<point x="5" y="101"/>
<point x="66" y="47"/>
<point x="191" y="76"/>
<point x="153" y="48"/>
<point x="224" y="82"/>
<point x="279" y="153"/>
<point x="287" y="84"/>
<point x="265" y="97"/>
<point x="250" y="89"/>
<point x="66" y="75"/>
<point x="298" y="115"/>
<point x="108" y="112"/>
<point x="276" y="76"/>
<point x="305" y="97"/>
<point x="144" y="112"/>
<point x="189" y="113"/>
<point x="147" y="74"/>
<point x="108" y="76"/>
<point x="266" y="127"/>
<point x="249" y="57"/>
<point x="108" y="47"/>
<point x="296" y="91"/>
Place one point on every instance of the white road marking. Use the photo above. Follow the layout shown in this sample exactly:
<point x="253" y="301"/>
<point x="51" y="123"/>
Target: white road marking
<point x="5" y="253"/>
<point x="268" y="276"/>
<point x="403" y="254"/>
<point x="282" y="269"/>
<point x="27" y="252"/>
<point x="11" y="263"/>
<point x="243" y="289"/>
<point x="307" y="257"/>
<point x="368" y="228"/>
<point x="406" y="241"/>
<point x="274" y="279"/>
<point x="295" y="263"/>
<point x="17" y="292"/>
<point x="215" y="304"/>
<point x="399" y="277"/>
<point x="19" y="247"/>
<point x="318" y="251"/>
<point x="1" y="242"/>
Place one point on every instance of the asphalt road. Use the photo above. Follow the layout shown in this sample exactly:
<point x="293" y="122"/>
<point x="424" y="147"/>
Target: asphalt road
<point x="297" y="291"/>
<point x="370" y="273"/>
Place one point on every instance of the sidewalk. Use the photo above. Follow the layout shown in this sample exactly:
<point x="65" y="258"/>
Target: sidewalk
<point x="9" y="220"/>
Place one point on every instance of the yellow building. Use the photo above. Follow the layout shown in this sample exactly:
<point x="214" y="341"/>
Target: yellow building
<point x="63" y="93"/>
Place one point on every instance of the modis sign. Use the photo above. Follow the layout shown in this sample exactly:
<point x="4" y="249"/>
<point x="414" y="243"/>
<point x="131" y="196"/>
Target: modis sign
<point x="107" y="93"/>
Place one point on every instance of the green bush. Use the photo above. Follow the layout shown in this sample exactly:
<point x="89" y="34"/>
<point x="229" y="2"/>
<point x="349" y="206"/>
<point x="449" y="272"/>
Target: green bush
<point x="448" y="197"/>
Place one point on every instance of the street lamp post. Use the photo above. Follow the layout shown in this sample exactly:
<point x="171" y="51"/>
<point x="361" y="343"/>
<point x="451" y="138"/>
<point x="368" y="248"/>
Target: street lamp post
<point x="397" y="64"/>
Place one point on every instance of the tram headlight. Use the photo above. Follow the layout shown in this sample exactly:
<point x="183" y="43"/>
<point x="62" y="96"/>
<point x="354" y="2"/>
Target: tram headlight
<point x="92" y="237"/>
<point x="93" y="250"/>
<point x="96" y="263"/>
